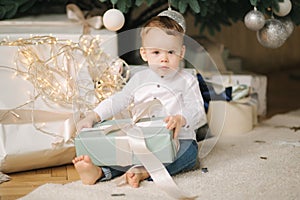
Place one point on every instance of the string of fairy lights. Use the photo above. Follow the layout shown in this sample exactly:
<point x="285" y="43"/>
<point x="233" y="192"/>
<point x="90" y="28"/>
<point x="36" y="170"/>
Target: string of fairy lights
<point x="52" y="66"/>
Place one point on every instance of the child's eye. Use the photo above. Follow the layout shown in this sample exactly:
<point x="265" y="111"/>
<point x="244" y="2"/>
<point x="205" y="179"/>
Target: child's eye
<point x="155" y="52"/>
<point x="171" y="52"/>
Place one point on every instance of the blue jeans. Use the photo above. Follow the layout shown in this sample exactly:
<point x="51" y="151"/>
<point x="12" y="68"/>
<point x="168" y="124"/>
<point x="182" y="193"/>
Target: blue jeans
<point x="186" y="159"/>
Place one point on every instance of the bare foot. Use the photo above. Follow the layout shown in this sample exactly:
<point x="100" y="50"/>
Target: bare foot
<point x="135" y="175"/>
<point x="88" y="172"/>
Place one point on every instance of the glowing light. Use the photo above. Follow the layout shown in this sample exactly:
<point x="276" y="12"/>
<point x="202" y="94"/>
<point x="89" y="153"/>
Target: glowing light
<point x="52" y="76"/>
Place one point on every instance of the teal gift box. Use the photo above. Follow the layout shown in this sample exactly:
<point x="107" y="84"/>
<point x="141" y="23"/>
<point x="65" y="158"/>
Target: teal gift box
<point x="113" y="149"/>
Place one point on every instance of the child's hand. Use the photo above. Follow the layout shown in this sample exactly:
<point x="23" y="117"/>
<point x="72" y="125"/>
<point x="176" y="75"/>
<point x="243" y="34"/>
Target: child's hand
<point x="175" y="122"/>
<point x="88" y="121"/>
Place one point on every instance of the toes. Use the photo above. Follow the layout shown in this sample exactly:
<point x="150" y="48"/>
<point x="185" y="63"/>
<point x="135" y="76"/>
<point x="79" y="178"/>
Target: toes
<point x="75" y="160"/>
<point x="135" y="185"/>
<point x="130" y="174"/>
<point x="133" y="179"/>
<point x="86" y="158"/>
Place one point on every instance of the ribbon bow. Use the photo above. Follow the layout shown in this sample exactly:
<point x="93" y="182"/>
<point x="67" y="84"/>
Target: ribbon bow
<point x="74" y="13"/>
<point x="138" y="112"/>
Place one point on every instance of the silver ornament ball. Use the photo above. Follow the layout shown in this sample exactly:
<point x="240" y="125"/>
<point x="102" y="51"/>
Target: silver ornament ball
<point x="254" y="20"/>
<point x="289" y="25"/>
<point x="176" y="16"/>
<point x="273" y="34"/>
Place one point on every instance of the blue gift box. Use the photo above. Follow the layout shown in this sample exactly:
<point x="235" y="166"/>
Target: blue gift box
<point x="113" y="149"/>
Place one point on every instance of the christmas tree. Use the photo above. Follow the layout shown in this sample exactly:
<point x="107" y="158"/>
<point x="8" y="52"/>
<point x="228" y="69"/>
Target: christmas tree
<point x="210" y="14"/>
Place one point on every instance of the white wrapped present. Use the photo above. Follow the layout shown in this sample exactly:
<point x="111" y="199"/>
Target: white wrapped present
<point x="231" y="118"/>
<point x="33" y="133"/>
<point x="257" y="83"/>
<point x="248" y="101"/>
<point x="36" y="131"/>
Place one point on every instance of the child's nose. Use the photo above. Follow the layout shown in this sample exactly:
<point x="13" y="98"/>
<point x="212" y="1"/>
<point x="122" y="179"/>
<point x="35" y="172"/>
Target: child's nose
<point x="164" y="57"/>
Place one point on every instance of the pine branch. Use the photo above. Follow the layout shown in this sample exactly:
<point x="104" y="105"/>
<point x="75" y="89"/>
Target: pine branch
<point x="148" y="13"/>
<point x="210" y="14"/>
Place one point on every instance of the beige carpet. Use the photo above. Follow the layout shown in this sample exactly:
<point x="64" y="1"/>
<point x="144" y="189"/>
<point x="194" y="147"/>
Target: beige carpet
<point x="261" y="164"/>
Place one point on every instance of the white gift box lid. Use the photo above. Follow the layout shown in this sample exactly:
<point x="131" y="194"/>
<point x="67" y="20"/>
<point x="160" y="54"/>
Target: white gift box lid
<point x="56" y="25"/>
<point x="40" y="20"/>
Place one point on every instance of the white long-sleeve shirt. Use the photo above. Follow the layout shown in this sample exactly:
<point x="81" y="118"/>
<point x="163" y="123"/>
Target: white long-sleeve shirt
<point x="179" y="93"/>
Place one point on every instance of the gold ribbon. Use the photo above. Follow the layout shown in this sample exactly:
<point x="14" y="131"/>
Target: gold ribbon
<point x="25" y="116"/>
<point x="74" y="13"/>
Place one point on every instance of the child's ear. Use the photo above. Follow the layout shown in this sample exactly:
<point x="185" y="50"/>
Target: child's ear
<point x="143" y="54"/>
<point x="182" y="52"/>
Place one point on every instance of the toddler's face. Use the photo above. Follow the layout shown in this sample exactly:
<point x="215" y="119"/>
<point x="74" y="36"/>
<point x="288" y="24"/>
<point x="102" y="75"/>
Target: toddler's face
<point x="163" y="52"/>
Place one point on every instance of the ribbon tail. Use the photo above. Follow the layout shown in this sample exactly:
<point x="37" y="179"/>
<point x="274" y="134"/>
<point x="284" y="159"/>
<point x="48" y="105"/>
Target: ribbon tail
<point x="95" y="22"/>
<point x="4" y="177"/>
<point x="67" y="132"/>
<point x="177" y="144"/>
<point x="121" y="180"/>
<point x="155" y="168"/>
<point x="86" y="29"/>
<point x="70" y="127"/>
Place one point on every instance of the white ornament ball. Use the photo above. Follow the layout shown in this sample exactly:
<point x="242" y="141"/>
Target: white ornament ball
<point x="113" y="19"/>
<point x="273" y="34"/>
<point x="254" y="20"/>
<point x="284" y="8"/>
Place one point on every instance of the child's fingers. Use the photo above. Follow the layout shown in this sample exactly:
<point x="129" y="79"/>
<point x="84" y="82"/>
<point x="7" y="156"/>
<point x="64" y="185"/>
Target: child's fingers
<point x="167" y="119"/>
<point x="171" y="122"/>
<point x="176" y="132"/>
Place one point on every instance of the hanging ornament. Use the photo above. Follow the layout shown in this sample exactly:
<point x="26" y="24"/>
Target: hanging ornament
<point x="273" y="34"/>
<point x="254" y="20"/>
<point x="284" y="8"/>
<point x="113" y="19"/>
<point x="176" y="16"/>
<point x="289" y="25"/>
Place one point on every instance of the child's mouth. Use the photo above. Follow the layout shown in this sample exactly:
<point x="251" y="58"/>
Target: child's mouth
<point x="164" y="67"/>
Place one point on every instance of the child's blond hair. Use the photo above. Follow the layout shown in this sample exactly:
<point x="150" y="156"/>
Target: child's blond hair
<point x="170" y="26"/>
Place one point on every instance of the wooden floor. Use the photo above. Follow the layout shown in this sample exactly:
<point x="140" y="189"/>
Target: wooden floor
<point x="283" y="96"/>
<point x="22" y="183"/>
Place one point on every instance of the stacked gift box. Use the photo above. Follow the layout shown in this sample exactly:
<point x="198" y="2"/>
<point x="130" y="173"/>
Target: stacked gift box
<point x="233" y="98"/>
<point x="37" y="132"/>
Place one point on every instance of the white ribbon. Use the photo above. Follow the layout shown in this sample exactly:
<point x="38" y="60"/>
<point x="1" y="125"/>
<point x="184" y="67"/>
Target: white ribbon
<point x="153" y="165"/>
